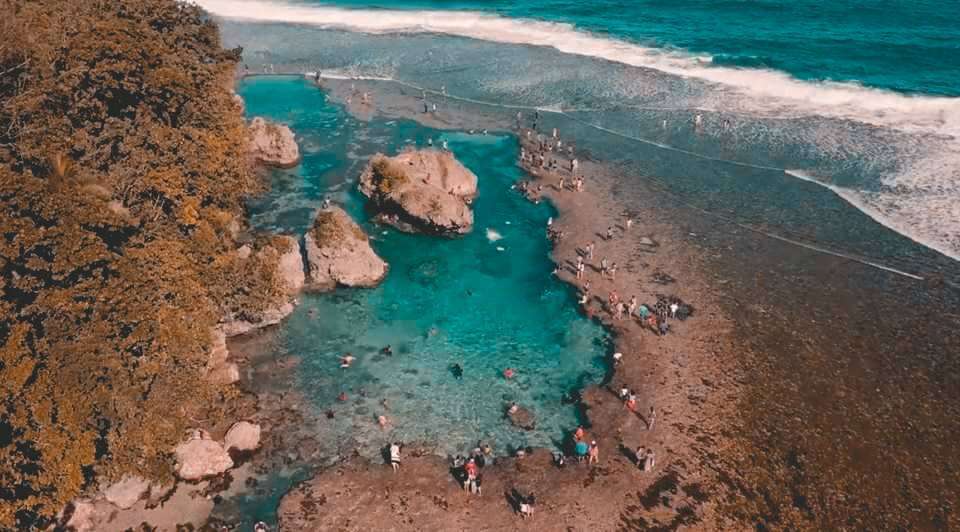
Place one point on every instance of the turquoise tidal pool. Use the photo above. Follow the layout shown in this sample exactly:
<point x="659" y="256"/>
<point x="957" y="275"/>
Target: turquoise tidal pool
<point x="486" y="301"/>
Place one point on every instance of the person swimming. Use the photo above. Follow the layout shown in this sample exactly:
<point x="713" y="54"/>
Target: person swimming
<point x="387" y="350"/>
<point x="347" y="360"/>
<point x="457" y="371"/>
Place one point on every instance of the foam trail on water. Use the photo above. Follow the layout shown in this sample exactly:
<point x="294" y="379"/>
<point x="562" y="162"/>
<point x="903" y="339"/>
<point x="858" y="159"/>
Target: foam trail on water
<point x="771" y="90"/>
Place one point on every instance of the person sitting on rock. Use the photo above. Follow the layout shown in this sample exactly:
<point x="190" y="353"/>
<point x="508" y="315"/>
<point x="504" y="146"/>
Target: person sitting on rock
<point x="514" y="407"/>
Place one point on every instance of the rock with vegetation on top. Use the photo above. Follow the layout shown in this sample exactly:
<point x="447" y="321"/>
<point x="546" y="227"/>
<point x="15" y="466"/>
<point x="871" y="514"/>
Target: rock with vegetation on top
<point x="127" y="491"/>
<point x="284" y="251"/>
<point x="199" y="458"/>
<point x="242" y="436"/>
<point x="273" y="144"/>
<point x="427" y="190"/>
<point x="339" y="253"/>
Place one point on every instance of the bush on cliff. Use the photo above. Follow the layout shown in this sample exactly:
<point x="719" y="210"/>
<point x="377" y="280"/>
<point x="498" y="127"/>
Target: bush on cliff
<point x="122" y="175"/>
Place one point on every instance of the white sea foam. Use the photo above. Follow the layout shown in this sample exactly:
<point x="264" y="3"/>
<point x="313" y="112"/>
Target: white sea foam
<point x="493" y="235"/>
<point x="771" y="89"/>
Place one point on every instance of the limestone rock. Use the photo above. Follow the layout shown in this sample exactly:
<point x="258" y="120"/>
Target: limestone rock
<point x="273" y="144"/>
<point x="127" y="491"/>
<point x="218" y="370"/>
<point x="427" y="189"/>
<point x="199" y="458"/>
<point x="339" y="253"/>
<point x="291" y="274"/>
<point x="242" y="436"/>
<point x="291" y="264"/>
<point x="83" y="514"/>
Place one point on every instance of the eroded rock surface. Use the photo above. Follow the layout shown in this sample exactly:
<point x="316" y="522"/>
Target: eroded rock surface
<point x="273" y="144"/>
<point x="339" y="253"/>
<point x="423" y="190"/>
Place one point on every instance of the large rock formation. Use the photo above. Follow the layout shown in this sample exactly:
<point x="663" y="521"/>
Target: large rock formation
<point x="291" y="276"/>
<point x="339" y="253"/>
<point x="273" y="144"/>
<point x="201" y="457"/>
<point x="427" y="190"/>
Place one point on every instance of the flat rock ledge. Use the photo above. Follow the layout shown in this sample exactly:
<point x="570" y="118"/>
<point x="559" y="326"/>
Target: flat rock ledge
<point x="273" y="144"/>
<point x="421" y="190"/>
<point x="339" y="253"/>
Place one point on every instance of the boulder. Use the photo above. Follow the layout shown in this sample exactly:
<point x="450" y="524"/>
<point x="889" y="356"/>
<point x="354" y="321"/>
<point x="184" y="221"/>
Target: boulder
<point x="522" y="418"/>
<point x="242" y="436"/>
<point x="82" y="516"/>
<point x="126" y="492"/>
<point x="428" y="190"/>
<point x="339" y="253"/>
<point x="200" y="458"/>
<point x="273" y="144"/>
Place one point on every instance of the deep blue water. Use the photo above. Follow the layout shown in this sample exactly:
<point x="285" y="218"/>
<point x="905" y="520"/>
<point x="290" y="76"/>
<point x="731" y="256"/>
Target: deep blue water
<point x="903" y="45"/>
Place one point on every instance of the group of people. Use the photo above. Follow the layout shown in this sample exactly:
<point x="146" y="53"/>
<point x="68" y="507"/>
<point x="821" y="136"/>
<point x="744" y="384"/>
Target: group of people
<point x="467" y="469"/>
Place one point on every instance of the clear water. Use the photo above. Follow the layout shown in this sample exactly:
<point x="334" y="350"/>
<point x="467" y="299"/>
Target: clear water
<point x="486" y="301"/>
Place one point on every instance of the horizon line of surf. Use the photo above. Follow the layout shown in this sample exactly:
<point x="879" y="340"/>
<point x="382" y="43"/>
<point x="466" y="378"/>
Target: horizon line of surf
<point x="849" y="100"/>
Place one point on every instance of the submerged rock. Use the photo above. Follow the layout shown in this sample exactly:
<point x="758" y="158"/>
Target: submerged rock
<point x="273" y="144"/>
<point x="339" y="253"/>
<point x="199" y="458"/>
<point x="242" y="436"/>
<point x="427" y="190"/>
<point x="522" y="418"/>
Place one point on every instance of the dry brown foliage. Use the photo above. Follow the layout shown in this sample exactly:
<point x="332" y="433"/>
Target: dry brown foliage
<point x="121" y="169"/>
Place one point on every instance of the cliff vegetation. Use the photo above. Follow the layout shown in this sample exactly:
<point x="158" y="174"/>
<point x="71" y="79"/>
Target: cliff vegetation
<point x="122" y="177"/>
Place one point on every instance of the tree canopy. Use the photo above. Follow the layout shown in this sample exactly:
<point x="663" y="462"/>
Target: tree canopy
<point x="123" y="171"/>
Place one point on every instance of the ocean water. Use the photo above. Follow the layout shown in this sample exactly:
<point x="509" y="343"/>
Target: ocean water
<point x="486" y="301"/>
<point x="859" y="99"/>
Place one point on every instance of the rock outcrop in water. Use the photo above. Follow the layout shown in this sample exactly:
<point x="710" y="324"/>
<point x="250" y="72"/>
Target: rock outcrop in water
<point x="273" y="144"/>
<point x="421" y="190"/>
<point x="339" y="253"/>
<point x="289" y="264"/>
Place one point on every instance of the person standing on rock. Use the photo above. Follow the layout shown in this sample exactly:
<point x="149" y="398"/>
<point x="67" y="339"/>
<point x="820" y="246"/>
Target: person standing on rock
<point x="628" y="223"/>
<point x="395" y="456"/>
<point x="603" y="267"/>
<point x="650" y="462"/>
<point x="610" y="233"/>
<point x="593" y="453"/>
<point x="613" y="271"/>
<point x="651" y="418"/>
